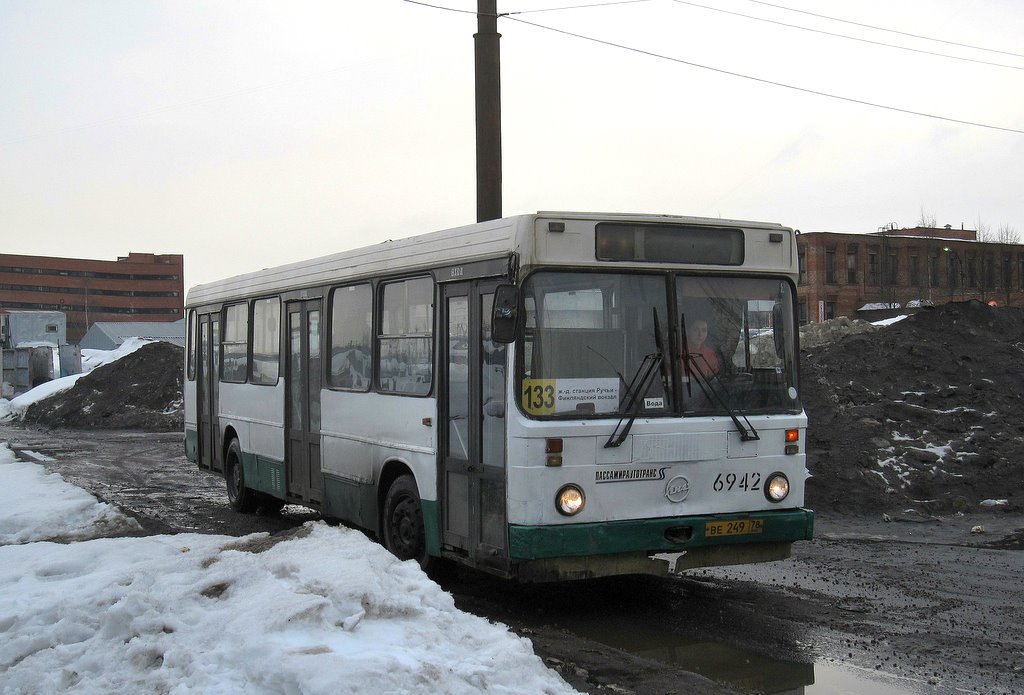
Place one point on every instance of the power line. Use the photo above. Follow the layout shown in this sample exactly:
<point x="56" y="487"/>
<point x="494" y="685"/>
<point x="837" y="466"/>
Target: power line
<point x="846" y="36"/>
<point x="774" y="83"/>
<point x="891" y="31"/>
<point x="573" y="7"/>
<point x="439" y="7"/>
<point x="543" y="9"/>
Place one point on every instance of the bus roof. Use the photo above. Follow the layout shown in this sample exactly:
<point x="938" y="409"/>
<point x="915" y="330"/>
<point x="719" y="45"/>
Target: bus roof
<point x="476" y="242"/>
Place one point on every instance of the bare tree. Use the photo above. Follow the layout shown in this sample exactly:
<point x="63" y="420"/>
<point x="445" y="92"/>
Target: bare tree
<point x="984" y="231"/>
<point x="927" y="219"/>
<point x="1007" y="235"/>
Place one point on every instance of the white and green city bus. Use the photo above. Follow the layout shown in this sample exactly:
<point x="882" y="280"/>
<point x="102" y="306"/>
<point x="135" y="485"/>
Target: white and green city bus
<point x="518" y="395"/>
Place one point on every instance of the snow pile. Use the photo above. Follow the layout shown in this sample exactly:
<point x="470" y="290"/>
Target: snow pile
<point x="322" y="610"/>
<point x="827" y="332"/>
<point x="41" y="506"/>
<point x="97" y="358"/>
<point x="91" y="359"/>
<point x="923" y="413"/>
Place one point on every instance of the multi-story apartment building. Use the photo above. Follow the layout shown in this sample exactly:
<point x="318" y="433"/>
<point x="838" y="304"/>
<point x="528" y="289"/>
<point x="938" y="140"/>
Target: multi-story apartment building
<point x="843" y="274"/>
<point x="137" y="287"/>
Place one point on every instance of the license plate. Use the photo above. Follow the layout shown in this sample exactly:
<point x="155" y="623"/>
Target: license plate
<point x="738" y="527"/>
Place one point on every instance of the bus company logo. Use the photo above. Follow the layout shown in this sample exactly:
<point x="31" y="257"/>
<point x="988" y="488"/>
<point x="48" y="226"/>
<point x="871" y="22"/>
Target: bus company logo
<point x="677" y="489"/>
<point x="630" y="475"/>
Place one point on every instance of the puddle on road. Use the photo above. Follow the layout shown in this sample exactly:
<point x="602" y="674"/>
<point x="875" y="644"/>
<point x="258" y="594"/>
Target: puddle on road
<point x="747" y="671"/>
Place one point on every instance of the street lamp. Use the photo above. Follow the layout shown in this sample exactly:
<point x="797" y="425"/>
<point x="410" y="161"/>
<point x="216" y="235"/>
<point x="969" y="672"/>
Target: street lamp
<point x="959" y="262"/>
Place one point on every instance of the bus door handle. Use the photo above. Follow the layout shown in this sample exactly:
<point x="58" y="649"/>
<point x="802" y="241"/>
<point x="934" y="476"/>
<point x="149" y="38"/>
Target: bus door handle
<point x="472" y="469"/>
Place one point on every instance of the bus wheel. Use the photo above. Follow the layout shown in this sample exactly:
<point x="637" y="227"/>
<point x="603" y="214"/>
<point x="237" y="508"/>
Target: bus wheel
<point x="240" y="498"/>
<point x="403" y="522"/>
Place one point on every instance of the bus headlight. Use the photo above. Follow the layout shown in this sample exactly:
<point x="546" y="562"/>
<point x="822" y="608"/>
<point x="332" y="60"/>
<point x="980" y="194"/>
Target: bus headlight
<point x="570" y="500"/>
<point x="777" y="487"/>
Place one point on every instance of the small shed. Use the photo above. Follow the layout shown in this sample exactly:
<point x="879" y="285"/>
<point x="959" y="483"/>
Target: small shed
<point x="108" y="335"/>
<point x="32" y="328"/>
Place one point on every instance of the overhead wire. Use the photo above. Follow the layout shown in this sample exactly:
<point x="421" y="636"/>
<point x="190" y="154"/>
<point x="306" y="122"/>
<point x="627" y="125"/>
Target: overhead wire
<point x="846" y="36"/>
<point x="542" y="9"/>
<point x="885" y="29"/>
<point x="573" y="7"/>
<point x="762" y="80"/>
<point x="775" y="83"/>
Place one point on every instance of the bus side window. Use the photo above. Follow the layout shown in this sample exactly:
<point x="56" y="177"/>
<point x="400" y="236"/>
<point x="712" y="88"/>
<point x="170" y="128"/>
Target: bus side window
<point x="407" y="322"/>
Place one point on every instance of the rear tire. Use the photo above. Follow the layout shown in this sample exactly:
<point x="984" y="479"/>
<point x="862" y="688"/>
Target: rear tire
<point x="240" y="498"/>
<point x="402" y="528"/>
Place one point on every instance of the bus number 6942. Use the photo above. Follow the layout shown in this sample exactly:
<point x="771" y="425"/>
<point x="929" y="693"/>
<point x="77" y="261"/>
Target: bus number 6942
<point x="730" y="482"/>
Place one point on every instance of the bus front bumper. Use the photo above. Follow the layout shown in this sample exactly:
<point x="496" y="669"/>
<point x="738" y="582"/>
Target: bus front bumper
<point x="663" y="535"/>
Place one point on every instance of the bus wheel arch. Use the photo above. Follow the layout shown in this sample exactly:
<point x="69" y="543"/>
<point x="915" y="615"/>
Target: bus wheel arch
<point x="241" y="498"/>
<point x="402" y="528"/>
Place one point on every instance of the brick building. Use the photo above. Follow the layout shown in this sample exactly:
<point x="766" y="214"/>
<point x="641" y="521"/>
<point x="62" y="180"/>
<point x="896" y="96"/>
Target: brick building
<point x="138" y="287"/>
<point x="843" y="274"/>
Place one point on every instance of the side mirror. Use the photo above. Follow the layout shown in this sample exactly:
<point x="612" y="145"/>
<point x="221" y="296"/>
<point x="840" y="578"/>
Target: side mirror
<point x="505" y="316"/>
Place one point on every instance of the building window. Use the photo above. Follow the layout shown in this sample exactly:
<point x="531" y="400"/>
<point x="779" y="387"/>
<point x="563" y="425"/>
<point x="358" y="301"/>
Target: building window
<point x="1020" y="270"/>
<point x="851" y="264"/>
<point x="1007" y="273"/>
<point x="801" y="255"/>
<point x="830" y="266"/>
<point x="406" y="334"/>
<point x="892" y="269"/>
<point x="990" y="271"/>
<point x="830" y="308"/>
<point x="872" y="268"/>
<point x="933" y="271"/>
<point x="234" y="349"/>
<point x="266" y="340"/>
<point x="351" y="329"/>
<point x="801" y="309"/>
<point x="972" y="271"/>
<point x="915" y="279"/>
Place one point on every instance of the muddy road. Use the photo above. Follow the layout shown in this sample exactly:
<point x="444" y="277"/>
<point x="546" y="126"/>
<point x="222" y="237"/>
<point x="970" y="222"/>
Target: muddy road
<point x="909" y="605"/>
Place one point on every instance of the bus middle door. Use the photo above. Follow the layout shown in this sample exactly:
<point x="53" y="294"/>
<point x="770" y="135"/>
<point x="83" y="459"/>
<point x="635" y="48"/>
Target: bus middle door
<point x="472" y="406"/>
<point x="207" y="387"/>
<point x="303" y="381"/>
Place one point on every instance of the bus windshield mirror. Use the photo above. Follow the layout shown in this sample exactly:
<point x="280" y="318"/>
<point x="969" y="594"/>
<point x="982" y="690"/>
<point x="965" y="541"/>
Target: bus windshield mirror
<point x="633" y="397"/>
<point x="505" y="315"/>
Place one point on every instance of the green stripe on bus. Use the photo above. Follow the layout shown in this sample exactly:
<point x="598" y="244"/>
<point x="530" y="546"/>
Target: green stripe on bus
<point x="263" y="474"/>
<point x="535" y="542"/>
<point x="192" y="445"/>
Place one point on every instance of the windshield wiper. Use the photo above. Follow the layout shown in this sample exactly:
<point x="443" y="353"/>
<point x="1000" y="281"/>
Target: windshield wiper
<point x="633" y="397"/>
<point x="714" y="393"/>
<point x="693" y="371"/>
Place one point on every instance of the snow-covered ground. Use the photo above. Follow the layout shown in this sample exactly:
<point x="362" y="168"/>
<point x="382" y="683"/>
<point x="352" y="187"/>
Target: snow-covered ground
<point x="323" y="610"/>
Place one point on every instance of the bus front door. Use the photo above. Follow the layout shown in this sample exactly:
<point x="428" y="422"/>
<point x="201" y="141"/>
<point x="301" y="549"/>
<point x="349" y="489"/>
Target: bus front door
<point x="472" y="406"/>
<point x="207" y="381"/>
<point x="302" y="455"/>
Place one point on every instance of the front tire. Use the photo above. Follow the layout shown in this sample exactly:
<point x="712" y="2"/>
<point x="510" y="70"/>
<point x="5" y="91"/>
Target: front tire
<point x="240" y="498"/>
<point x="403" y="531"/>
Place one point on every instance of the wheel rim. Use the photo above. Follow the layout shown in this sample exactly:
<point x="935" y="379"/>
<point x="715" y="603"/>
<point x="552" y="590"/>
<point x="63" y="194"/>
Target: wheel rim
<point x="235" y="481"/>
<point x="405" y="531"/>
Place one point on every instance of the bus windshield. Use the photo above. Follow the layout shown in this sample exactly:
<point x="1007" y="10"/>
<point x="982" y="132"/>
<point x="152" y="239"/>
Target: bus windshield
<point x="587" y="335"/>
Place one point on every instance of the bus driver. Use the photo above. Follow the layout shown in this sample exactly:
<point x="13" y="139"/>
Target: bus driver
<point x="703" y="358"/>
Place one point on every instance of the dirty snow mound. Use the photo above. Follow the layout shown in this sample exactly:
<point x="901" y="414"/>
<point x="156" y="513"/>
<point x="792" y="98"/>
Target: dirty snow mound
<point x="927" y="413"/>
<point x="817" y="334"/>
<point x="142" y="390"/>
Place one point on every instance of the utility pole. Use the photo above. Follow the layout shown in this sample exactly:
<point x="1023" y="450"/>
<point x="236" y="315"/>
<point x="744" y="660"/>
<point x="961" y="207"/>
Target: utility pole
<point x="488" y="112"/>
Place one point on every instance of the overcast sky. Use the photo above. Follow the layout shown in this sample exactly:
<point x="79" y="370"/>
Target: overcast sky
<point x="248" y="134"/>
